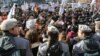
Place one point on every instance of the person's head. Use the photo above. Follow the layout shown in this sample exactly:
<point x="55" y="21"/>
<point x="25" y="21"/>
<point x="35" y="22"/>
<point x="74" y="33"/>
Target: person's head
<point x="52" y="33"/>
<point x="73" y="20"/>
<point x="54" y="18"/>
<point x="62" y="36"/>
<point x="10" y="25"/>
<point x="98" y="11"/>
<point x="16" y="5"/>
<point x="32" y="36"/>
<point x="30" y="24"/>
<point x="36" y="5"/>
<point x="84" y="31"/>
<point x="97" y="24"/>
<point x="31" y="17"/>
<point x="66" y="14"/>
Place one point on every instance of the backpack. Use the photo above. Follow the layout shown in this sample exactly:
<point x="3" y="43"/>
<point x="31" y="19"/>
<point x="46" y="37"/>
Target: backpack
<point x="8" y="47"/>
<point x="91" y="48"/>
<point x="55" y="50"/>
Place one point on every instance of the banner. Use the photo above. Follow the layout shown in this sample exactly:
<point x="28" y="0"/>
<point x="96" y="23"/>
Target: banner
<point x="25" y="6"/>
<point x="32" y="4"/>
<point x="44" y="6"/>
<point x="75" y="5"/>
<point x="4" y="9"/>
<point x="52" y="9"/>
<point x="63" y="2"/>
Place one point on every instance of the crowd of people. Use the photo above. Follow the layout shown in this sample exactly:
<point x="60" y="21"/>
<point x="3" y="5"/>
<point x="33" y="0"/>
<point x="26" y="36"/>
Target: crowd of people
<point x="40" y="32"/>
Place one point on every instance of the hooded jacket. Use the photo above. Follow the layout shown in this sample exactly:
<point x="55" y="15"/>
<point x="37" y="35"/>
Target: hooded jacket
<point x="83" y="46"/>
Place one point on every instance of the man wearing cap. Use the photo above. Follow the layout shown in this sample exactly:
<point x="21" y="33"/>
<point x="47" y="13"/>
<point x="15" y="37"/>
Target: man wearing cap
<point x="87" y="44"/>
<point x="10" y="28"/>
<point x="54" y="44"/>
<point x="30" y="23"/>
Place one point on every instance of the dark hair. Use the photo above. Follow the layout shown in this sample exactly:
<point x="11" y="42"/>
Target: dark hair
<point x="63" y="33"/>
<point x="87" y="33"/>
<point x="55" y="18"/>
<point x="53" y="35"/>
<point x="32" y="36"/>
<point x="5" y="31"/>
<point x="16" y="5"/>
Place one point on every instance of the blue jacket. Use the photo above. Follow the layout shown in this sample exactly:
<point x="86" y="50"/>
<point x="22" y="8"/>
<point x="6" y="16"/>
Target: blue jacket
<point x="96" y="36"/>
<point x="20" y="43"/>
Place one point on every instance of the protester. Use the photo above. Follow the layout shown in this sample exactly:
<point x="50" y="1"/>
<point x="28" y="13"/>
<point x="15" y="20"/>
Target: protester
<point x="62" y="37"/>
<point x="10" y="31"/>
<point x="32" y="36"/>
<point x="87" y="46"/>
<point x="30" y="23"/>
<point x="53" y="47"/>
<point x="46" y="25"/>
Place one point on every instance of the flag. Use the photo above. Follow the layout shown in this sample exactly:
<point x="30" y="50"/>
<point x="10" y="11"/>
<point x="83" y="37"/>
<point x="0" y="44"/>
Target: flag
<point x="62" y="5"/>
<point x="93" y="2"/>
<point x="61" y="10"/>
<point x="25" y="6"/>
<point x="12" y="12"/>
<point x="79" y="4"/>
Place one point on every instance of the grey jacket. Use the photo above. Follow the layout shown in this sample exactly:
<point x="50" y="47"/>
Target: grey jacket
<point x="20" y="43"/>
<point x="23" y="44"/>
<point x="96" y="36"/>
<point x="43" y="49"/>
<point x="78" y="49"/>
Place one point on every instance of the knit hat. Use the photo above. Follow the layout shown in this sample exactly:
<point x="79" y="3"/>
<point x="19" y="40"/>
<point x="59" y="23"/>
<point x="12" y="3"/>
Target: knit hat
<point x="30" y="23"/>
<point x="52" y="28"/>
<point x="8" y="24"/>
<point x="85" y="28"/>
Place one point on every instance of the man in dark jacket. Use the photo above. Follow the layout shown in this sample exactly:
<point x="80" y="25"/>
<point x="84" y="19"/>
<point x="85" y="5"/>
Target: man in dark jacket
<point x="11" y="31"/>
<point x="87" y="46"/>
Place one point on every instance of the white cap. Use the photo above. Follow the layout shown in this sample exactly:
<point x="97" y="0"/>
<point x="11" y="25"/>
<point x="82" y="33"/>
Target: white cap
<point x="85" y="28"/>
<point x="52" y="28"/>
<point x="30" y="23"/>
<point x="8" y="24"/>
